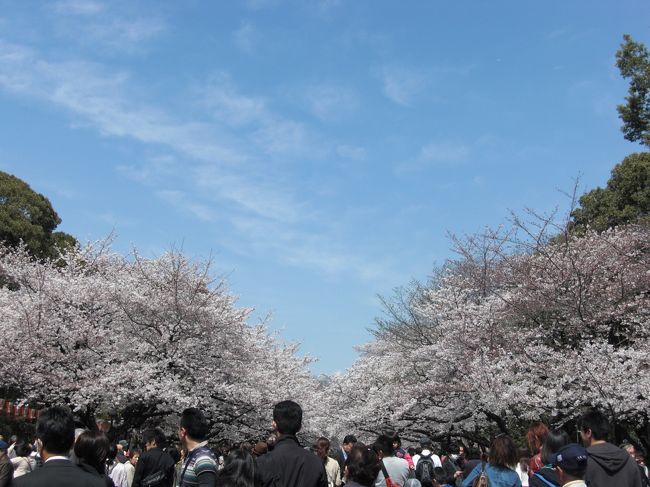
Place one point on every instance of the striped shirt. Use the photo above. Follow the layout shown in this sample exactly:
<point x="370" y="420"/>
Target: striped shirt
<point x="199" y="460"/>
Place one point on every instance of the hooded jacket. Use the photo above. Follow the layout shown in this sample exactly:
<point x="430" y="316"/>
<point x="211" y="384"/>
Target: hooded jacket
<point x="610" y="466"/>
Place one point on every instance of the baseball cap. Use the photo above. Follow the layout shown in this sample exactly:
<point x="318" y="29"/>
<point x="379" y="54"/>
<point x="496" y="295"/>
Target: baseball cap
<point x="572" y="458"/>
<point x="4" y="445"/>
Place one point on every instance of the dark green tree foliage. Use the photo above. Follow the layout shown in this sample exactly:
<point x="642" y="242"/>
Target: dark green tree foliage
<point x="28" y="216"/>
<point x="633" y="60"/>
<point x="625" y="199"/>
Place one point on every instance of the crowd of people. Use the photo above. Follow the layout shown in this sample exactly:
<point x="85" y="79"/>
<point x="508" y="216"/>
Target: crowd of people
<point x="64" y="456"/>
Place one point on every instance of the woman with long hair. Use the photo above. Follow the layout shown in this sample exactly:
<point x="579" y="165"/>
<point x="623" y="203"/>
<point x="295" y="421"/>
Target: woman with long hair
<point x="499" y="469"/>
<point x="239" y="470"/>
<point x="535" y="437"/>
<point x="547" y="475"/>
<point x="332" y="468"/>
<point x="361" y="467"/>
<point x="91" y="451"/>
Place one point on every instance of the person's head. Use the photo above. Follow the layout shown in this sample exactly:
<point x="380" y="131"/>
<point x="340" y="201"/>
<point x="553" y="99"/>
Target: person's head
<point x="426" y="443"/>
<point x="23" y="448"/>
<point x="4" y="446"/>
<point x="239" y="470"/>
<point x="13" y="439"/>
<point x="134" y="456"/>
<point x="362" y="465"/>
<point x="473" y="452"/>
<point x="383" y="446"/>
<point x="287" y="417"/>
<point x="322" y="448"/>
<point x="92" y="448"/>
<point x="193" y="426"/>
<point x="535" y="437"/>
<point x="397" y="441"/>
<point x="571" y="463"/>
<point x="630" y="449"/>
<point x="555" y="440"/>
<point x="153" y="438"/>
<point x="593" y="426"/>
<point x="503" y="452"/>
<point x="55" y="429"/>
<point x="348" y="443"/>
<point x="440" y="478"/>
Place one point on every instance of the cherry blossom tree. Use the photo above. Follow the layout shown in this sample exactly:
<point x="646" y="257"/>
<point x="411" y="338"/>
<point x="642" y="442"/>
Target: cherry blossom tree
<point x="524" y="325"/>
<point x="140" y="339"/>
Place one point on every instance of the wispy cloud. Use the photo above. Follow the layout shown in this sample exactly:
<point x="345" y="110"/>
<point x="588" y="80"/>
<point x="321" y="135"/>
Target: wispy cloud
<point x="246" y="37"/>
<point x="443" y="153"/>
<point x="79" y="7"/>
<point x="402" y="85"/>
<point x="330" y="102"/>
<point x="435" y="154"/>
<point x="102" y="24"/>
<point x="210" y="165"/>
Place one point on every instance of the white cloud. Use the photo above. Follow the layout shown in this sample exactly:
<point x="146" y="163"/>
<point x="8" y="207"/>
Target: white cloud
<point x="91" y="22"/>
<point x="216" y="168"/>
<point x="79" y="7"/>
<point x="245" y="37"/>
<point x="180" y="200"/>
<point x="331" y="101"/>
<point x="402" y="85"/>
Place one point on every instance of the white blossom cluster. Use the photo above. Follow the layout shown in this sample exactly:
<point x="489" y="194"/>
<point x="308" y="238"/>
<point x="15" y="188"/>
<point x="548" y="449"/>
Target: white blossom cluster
<point x="508" y="334"/>
<point x="134" y="338"/>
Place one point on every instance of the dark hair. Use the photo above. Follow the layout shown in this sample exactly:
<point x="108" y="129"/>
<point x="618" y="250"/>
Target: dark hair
<point x="154" y="434"/>
<point x="55" y="428"/>
<point x="383" y="444"/>
<point x="555" y="440"/>
<point x="397" y="439"/>
<point x="322" y="448"/>
<point x="92" y="447"/>
<point x="239" y="470"/>
<point x="349" y="439"/>
<point x="288" y="417"/>
<point x="440" y="476"/>
<point x="363" y="465"/>
<point x="472" y="452"/>
<point x="503" y="452"/>
<point x="22" y="448"/>
<point x="194" y="421"/>
<point x="174" y="453"/>
<point x="535" y="436"/>
<point x="595" y="421"/>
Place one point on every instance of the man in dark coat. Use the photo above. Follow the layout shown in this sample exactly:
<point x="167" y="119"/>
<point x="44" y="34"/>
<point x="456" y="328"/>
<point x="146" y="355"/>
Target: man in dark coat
<point x="608" y="464"/>
<point x="290" y="465"/>
<point x="154" y="462"/>
<point x="342" y="454"/>
<point x="55" y="429"/>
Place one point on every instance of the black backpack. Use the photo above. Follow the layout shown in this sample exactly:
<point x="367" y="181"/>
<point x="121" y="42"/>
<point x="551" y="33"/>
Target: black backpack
<point x="424" y="470"/>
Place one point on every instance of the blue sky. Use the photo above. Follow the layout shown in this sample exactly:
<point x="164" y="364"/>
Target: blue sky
<point x="318" y="151"/>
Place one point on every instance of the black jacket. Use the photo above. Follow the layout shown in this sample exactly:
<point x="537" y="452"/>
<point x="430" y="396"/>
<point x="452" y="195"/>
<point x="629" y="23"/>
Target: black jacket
<point x="548" y="473"/>
<point x="152" y="461"/>
<point x="290" y="465"/>
<point x="59" y="473"/>
<point x="610" y="466"/>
